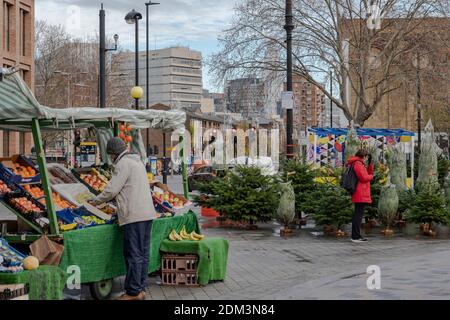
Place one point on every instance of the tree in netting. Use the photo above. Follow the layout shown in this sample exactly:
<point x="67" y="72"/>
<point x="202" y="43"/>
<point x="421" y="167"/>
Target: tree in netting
<point x="396" y="161"/>
<point x="428" y="161"/>
<point x="352" y="144"/>
<point x="286" y="209"/>
<point x="388" y="205"/>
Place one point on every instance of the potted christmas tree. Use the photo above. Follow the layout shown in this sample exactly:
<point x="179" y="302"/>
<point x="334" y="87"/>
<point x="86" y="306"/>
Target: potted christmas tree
<point x="388" y="206"/>
<point x="429" y="208"/>
<point x="286" y="209"/>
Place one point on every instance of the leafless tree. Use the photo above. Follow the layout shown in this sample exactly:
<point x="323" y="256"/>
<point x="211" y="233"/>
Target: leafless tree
<point x="49" y="39"/>
<point x="362" y="42"/>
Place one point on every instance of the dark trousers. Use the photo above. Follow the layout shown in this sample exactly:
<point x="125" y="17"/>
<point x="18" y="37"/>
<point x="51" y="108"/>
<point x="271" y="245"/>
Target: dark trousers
<point x="136" y="248"/>
<point x="357" y="220"/>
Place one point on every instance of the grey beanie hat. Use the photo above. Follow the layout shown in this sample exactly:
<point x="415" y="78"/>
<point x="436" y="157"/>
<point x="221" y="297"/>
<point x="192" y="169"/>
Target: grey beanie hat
<point x="116" y="146"/>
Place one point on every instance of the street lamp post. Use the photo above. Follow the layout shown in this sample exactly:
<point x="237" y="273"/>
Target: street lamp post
<point x="103" y="50"/>
<point x="164" y="173"/>
<point x="133" y="17"/>
<point x="289" y="27"/>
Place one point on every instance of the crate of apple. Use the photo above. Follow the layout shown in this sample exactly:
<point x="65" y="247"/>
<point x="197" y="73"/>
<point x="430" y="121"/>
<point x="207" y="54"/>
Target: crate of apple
<point x="170" y="198"/>
<point x="94" y="181"/>
<point x="24" y="205"/>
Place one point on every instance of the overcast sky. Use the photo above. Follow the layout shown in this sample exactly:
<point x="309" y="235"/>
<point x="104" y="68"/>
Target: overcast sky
<point x="192" y="23"/>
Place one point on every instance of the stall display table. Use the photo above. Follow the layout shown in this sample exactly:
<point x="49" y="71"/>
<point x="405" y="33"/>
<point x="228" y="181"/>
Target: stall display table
<point x="46" y="283"/>
<point x="98" y="251"/>
<point x="212" y="253"/>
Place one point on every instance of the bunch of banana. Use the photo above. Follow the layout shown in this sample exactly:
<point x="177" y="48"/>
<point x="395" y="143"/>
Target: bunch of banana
<point x="183" y="235"/>
<point x="174" y="236"/>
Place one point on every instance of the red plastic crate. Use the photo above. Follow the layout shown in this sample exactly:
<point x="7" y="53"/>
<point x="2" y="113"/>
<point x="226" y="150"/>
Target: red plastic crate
<point x="208" y="212"/>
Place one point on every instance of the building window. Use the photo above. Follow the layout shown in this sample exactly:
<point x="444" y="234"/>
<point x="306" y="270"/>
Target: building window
<point x="24" y="25"/>
<point x="7" y="26"/>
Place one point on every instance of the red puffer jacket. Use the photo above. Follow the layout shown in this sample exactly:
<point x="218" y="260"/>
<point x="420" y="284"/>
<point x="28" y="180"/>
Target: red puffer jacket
<point x="362" y="193"/>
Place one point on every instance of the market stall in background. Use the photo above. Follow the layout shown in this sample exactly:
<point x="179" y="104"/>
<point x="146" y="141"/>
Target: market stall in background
<point x="327" y="147"/>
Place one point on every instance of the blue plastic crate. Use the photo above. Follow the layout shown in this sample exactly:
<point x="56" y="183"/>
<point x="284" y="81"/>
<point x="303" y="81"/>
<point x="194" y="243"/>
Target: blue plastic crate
<point x="21" y="256"/>
<point x="7" y="175"/>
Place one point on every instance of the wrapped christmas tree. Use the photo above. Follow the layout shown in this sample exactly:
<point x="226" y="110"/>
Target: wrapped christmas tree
<point x="286" y="208"/>
<point x="428" y="161"/>
<point x="388" y="206"/>
<point x="396" y="161"/>
<point x="352" y="144"/>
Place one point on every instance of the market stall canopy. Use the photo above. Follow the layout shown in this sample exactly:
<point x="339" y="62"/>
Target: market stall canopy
<point x="18" y="107"/>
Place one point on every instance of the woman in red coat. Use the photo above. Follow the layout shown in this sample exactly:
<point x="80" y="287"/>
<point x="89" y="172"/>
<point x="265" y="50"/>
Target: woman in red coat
<point x="361" y="198"/>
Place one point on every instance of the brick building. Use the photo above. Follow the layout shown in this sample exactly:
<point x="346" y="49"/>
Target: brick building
<point x="430" y="42"/>
<point x="17" y="50"/>
<point x="309" y="104"/>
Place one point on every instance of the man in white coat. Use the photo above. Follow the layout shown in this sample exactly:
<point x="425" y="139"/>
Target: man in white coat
<point x="136" y="212"/>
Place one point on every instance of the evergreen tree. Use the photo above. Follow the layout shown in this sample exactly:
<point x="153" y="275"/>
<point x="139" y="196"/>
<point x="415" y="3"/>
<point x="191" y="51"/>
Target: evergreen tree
<point x="244" y="194"/>
<point x="330" y="205"/>
<point x="429" y="206"/>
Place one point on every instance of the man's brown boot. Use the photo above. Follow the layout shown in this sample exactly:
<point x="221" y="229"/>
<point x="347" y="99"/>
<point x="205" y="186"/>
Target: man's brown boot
<point x="126" y="297"/>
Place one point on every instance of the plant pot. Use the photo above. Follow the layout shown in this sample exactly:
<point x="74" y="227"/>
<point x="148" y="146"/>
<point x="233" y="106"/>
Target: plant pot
<point x="286" y="232"/>
<point x="387" y="232"/>
<point x="425" y="228"/>
<point x="340" y="234"/>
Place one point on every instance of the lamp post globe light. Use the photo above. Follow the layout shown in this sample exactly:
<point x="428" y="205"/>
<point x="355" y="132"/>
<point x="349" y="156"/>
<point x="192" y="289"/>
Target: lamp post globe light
<point x="137" y="93"/>
<point x="133" y="17"/>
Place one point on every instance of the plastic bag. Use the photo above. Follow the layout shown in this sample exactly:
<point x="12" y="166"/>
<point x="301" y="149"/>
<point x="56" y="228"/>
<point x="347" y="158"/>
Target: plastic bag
<point x="286" y="208"/>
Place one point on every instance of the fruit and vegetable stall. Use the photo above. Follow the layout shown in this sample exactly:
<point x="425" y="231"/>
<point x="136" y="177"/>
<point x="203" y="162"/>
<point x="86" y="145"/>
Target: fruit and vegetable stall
<point x="51" y="200"/>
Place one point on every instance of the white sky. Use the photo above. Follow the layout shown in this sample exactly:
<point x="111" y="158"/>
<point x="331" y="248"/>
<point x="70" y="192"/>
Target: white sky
<point x="192" y="23"/>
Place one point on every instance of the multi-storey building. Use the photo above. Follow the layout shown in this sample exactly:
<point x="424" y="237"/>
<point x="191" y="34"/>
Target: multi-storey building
<point x="175" y="76"/>
<point x="17" y="50"/>
<point x="309" y="104"/>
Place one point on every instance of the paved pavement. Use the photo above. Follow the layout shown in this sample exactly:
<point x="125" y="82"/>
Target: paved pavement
<point x="263" y="265"/>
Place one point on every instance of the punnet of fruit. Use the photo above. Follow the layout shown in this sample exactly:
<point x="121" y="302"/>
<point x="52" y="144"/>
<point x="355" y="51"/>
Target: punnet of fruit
<point x="25" y="205"/>
<point x="94" y="180"/>
<point x="174" y="200"/>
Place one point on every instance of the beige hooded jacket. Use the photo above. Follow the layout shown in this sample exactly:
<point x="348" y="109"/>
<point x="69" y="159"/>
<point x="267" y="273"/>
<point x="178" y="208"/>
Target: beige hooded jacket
<point x="129" y="185"/>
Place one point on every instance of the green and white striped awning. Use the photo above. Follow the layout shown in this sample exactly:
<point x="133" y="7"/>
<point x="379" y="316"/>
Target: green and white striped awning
<point x="18" y="107"/>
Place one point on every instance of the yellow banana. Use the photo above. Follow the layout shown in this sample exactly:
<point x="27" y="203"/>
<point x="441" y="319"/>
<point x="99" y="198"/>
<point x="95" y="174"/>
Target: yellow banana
<point x="184" y="234"/>
<point x="177" y="236"/>
<point x="198" y="236"/>
<point x="172" y="236"/>
<point x="191" y="237"/>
